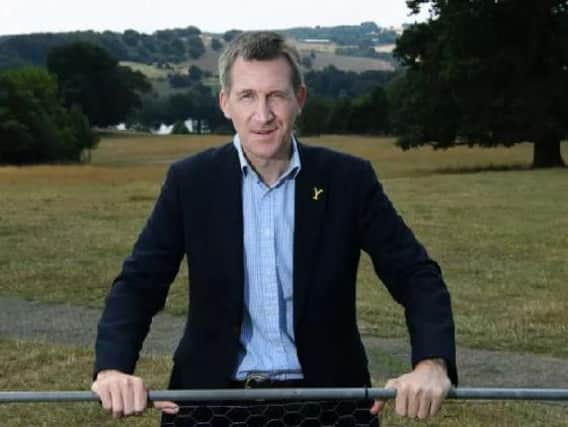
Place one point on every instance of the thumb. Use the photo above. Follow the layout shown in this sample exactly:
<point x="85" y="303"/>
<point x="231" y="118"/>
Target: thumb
<point x="379" y="405"/>
<point x="166" y="407"/>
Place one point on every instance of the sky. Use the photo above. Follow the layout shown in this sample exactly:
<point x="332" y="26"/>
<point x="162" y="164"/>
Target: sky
<point x="31" y="16"/>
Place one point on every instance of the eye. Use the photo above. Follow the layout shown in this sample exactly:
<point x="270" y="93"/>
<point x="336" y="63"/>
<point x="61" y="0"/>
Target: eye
<point x="246" y="96"/>
<point x="278" y="98"/>
<point x="278" y="95"/>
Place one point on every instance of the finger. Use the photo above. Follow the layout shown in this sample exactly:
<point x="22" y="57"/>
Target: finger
<point x="424" y="408"/>
<point x="127" y="393"/>
<point x="377" y="407"/>
<point x="104" y="396"/>
<point x="436" y="405"/>
<point x="140" y="396"/>
<point x="414" y="396"/>
<point x="167" y="407"/>
<point x="116" y="400"/>
<point x="401" y="402"/>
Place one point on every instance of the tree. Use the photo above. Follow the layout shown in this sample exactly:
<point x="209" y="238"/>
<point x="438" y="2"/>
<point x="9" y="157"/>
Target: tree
<point x="179" y="80"/>
<point x="34" y="125"/>
<point x="131" y="38"/>
<point x="188" y="31"/>
<point x="178" y="47"/>
<point x="369" y="113"/>
<point x="314" y="117"/>
<point x="485" y="73"/>
<point x="91" y="78"/>
<point x="195" y="47"/>
<point x="306" y="62"/>
<point x="230" y="35"/>
<point x="195" y="73"/>
<point x="180" y="128"/>
<point x="216" y="44"/>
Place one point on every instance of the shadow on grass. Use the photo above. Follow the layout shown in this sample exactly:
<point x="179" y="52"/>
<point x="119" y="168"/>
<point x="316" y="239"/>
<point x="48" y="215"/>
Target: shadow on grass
<point x="485" y="168"/>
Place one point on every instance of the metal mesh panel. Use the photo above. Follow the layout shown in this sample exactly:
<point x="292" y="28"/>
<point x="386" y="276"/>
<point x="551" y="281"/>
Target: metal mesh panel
<point x="340" y="413"/>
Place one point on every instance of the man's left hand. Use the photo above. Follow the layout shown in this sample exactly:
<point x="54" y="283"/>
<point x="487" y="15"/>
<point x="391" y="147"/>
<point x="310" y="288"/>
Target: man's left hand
<point x="419" y="393"/>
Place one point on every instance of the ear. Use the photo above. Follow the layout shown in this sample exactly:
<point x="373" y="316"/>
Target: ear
<point x="302" y="96"/>
<point x="224" y="103"/>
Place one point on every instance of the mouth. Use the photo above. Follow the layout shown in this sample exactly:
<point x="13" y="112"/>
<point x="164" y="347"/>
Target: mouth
<point x="264" y="132"/>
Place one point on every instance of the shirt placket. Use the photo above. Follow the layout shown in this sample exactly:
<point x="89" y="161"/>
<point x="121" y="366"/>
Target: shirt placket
<point x="271" y="306"/>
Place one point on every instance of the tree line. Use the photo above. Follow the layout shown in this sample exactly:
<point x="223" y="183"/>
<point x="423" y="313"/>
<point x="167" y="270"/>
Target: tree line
<point x="476" y="73"/>
<point x="47" y="114"/>
<point x="181" y="44"/>
<point x="339" y="102"/>
<point x="488" y="73"/>
<point x="163" y="46"/>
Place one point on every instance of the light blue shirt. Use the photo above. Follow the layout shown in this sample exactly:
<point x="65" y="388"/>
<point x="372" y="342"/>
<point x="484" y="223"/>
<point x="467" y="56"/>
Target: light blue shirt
<point x="267" y="332"/>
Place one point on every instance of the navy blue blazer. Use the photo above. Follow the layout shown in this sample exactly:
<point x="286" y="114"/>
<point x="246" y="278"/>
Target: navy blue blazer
<point x="199" y="214"/>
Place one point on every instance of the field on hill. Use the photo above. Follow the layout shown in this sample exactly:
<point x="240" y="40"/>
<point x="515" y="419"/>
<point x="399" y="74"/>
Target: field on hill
<point x="324" y="57"/>
<point x="497" y="228"/>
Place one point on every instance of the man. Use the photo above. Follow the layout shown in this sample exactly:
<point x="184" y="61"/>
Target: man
<point x="272" y="230"/>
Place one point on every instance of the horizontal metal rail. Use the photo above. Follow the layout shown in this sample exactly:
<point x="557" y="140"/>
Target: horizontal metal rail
<point x="290" y="394"/>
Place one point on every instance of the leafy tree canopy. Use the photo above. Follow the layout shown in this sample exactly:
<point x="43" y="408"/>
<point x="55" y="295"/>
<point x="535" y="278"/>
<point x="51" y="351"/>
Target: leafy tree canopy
<point x="487" y="73"/>
<point x="34" y="125"/>
<point x="230" y="35"/>
<point x="89" y="77"/>
<point x="216" y="44"/>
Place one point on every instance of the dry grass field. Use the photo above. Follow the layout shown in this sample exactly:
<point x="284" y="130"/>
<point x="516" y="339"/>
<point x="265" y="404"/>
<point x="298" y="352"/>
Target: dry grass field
<point x="41" y="366"/>
<point x="498" y="229"/>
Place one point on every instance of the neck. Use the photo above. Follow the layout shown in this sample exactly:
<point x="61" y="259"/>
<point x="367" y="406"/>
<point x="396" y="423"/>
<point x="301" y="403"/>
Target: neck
<point x="269" y="170"/>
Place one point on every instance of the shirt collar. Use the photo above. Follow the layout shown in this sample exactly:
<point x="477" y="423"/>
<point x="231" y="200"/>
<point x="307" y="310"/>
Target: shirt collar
<point x="293" y="168"/>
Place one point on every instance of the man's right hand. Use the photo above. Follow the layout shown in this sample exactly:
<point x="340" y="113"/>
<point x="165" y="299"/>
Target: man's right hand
<point x="124" y="395"/>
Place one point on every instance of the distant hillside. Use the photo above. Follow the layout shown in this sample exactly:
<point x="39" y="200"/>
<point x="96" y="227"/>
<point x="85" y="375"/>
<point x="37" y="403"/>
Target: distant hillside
<point x="349" y="47"/>
<point x="346" y="35"/>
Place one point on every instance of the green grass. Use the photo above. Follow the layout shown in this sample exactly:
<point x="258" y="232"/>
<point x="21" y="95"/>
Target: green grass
<point x="44" y="367"/>
<point x="40" y="366"/>
<point x="500" y="236"/>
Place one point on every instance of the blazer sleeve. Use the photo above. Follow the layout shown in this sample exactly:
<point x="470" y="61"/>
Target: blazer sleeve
<point x="140" y="290"/>
<point x="412" y="278"/>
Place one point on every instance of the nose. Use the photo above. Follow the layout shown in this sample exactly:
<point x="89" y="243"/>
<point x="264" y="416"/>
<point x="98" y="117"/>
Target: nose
<point x="263" y="112"/>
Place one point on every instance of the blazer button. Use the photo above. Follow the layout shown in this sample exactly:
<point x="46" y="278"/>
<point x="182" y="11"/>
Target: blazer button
<point x="236" y="331"/>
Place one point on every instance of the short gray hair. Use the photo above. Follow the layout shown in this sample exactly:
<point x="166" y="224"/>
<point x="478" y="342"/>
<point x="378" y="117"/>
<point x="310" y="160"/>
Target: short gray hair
<point x="260" y="46"/>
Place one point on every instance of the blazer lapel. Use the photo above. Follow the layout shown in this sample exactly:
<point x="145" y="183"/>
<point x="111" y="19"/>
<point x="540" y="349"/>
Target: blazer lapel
<point x="228" y="209"/>
<point x="310" y="204"/>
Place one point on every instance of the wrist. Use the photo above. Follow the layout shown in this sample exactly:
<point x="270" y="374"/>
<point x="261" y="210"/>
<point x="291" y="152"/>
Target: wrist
<point x="107" y="372"/>
<point x="438" y="363"/>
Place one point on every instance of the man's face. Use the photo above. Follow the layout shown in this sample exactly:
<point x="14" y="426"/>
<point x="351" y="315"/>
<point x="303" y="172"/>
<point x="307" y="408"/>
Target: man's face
<point x="263" y="106"/>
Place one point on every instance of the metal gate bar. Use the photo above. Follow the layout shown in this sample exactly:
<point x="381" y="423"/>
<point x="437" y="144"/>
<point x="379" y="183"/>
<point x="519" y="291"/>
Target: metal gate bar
<point x="290" y="394"/>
